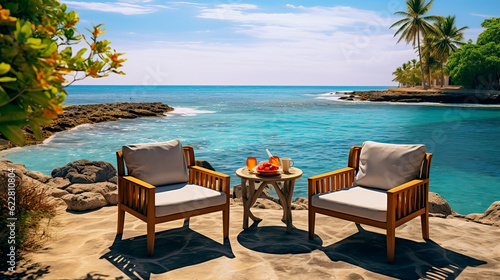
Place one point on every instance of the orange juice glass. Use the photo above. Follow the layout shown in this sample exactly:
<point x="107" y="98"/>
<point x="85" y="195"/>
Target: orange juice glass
<point x="274" y="160"/>
<point x="251" y="162"/>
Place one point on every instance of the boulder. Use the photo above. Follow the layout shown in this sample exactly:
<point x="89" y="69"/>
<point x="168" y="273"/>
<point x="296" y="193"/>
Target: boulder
<point x="84" y="201"/>
<point x="102" y="188"/>
<point x="300" y="203"/>
<point x="19" y="170"/>
<point x="492" y="215"/>
<point x="266" y="204"/>
<point x="39" y="176"/>
<point x="86" y="172"/>
<point x="58" y="182"/>
<point x="55" y="192"/>
<point x="438" y="205"/>
<point x="204" y="164"/>
<point x="111" y="197"/>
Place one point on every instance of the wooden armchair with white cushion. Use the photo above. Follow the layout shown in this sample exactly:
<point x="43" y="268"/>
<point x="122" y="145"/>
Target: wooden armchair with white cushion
<point x="163" y="184"/>
<point x="384" y="185"/>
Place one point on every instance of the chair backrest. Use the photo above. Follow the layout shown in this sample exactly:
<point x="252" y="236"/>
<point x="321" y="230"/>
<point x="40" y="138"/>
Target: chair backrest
<point x="355" y="151"/>
<point x="188" y="154"/>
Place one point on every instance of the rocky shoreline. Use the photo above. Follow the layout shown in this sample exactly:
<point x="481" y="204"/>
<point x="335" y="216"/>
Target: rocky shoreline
<point x="93" y="113"/>
<point x="448" y="96"/>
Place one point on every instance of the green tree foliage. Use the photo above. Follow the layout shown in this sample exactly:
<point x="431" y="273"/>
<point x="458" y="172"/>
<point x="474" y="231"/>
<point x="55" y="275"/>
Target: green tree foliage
<point x="445" y="39"/>
<point x="415" y="25"/>
<point x="478" y="65"/>
<point x="492" y="32"/>
<point x="408" y="74"/>
<point x="37" y="56"/>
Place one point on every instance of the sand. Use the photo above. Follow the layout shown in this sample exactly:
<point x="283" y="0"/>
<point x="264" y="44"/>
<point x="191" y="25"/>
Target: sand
<point x="84" y="246"/>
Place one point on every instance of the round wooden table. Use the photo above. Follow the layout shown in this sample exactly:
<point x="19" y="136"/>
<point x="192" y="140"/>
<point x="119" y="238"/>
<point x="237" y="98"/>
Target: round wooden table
<point x="250" y="193"/>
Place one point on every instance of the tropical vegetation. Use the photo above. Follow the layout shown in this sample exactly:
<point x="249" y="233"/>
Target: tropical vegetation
<point x="439" y="40"/>
<point x="38" y="54"/>
<point x="477" y="65"/>
<point x="415" y="25"/>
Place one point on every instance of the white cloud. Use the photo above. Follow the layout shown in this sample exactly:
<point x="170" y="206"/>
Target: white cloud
<point x="117" y="7"/>
<point x="305" y="46"/>
<point x="482" y="15"/>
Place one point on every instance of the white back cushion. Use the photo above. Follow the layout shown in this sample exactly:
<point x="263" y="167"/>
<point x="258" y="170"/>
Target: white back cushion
<point x="385" y="166"/>
<point x="157" y="163"/>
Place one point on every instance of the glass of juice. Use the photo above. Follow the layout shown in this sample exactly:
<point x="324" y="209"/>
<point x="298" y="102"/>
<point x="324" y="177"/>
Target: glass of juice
<point x="274" y="160"/>
<point x="251" y="163"/>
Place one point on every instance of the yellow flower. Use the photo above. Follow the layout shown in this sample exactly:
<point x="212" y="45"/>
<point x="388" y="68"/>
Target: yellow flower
<point x="98" y="32"/>
<point x="92" y="47"/>
<point x="5" y="15"/>
<point x="92" y="72"/>
<point x="116" y="62"/>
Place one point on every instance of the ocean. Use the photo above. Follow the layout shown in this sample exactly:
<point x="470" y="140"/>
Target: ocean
<point x="226" y="124"/>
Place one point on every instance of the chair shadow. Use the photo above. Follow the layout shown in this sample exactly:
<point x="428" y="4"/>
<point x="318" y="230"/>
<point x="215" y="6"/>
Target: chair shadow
<point x="175" y="248"/>
<point x="274" y="240"/>
<point x="413" y="260"/>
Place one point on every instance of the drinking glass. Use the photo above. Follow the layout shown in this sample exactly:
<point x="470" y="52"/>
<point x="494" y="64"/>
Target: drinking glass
<point x="251" y="162"/>
<point x="274" y="160"/>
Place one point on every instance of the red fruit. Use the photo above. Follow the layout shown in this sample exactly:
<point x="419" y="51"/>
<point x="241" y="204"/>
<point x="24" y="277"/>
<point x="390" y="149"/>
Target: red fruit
<point x="266" y="169"/>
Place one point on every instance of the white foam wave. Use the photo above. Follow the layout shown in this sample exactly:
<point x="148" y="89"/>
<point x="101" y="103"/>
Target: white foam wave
<point x="187" y="112"/>
<point x="334" y="95"/>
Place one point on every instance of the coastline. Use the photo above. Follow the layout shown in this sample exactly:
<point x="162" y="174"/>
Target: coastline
<point x="448" y="95"/>
<point x="92" y="113"/>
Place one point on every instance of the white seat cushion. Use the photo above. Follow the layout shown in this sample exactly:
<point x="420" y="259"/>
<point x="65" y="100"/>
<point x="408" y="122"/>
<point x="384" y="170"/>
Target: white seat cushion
<point x="357" y="201"/>
<point x="180" y="198"/>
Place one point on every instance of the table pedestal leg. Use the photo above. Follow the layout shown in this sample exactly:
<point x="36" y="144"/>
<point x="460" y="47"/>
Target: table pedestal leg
<point x="249" y="198"/>
<point x="285" y="202"/>
<point x="245" y="199"/>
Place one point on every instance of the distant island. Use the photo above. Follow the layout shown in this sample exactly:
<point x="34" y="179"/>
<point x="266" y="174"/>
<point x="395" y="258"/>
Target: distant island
<point x="447" y="94"/>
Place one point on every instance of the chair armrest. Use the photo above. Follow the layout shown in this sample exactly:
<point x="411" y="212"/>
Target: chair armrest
<point x="138" y="182"/>
<point x="331" y="181"/>
<point x="407" y="198"/>
<point x="137" y="195"/>
<point x="209" y="179"/>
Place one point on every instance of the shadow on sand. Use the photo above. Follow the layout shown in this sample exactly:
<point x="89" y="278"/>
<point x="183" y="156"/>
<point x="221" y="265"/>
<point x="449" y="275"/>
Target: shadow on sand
<point x="275" y="240"/>
<point x="413" y="260"/>
<point x="175" y="248"/>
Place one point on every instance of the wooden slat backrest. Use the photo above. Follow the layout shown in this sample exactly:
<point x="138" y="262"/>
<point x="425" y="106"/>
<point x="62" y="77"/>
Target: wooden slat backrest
<point x="189" y="155"/>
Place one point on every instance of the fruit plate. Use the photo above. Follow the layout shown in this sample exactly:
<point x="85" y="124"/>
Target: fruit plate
<point x="267" y="173"/>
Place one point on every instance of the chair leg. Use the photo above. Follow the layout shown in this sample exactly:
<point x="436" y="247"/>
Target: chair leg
<point x="312" y="220"/>
<point x="425" y="225"/>
<point x="391" y="244"/>
<point x="225" y="223"/>
<point x="121" y="220"/>
<point x="151" y="238"/>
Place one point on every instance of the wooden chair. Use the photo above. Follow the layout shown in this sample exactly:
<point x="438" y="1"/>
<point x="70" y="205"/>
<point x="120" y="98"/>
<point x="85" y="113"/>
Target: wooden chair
<point x="404" y="202"/>
<point x="138" y="197"/>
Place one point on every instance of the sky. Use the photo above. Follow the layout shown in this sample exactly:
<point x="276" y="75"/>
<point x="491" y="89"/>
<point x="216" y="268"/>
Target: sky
<point x="243" y="42"/>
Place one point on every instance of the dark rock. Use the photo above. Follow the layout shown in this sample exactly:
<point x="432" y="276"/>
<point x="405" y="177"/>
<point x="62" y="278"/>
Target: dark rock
<point x="86" y="172"/>
<point x="204" y="164"/>
<point x="438" y="205"/>
<point x="92" y="113"/>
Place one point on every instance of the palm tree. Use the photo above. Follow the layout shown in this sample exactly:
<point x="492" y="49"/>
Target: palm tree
<point x="415" y="24"/>
<point x="446" y="39"/>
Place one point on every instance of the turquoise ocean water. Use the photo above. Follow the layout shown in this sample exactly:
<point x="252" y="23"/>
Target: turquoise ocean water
<point x="226" y="124"/>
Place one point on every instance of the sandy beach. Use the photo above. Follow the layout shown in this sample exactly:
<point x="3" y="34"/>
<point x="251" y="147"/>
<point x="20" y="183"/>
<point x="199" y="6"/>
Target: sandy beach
<point x="84" y="246"/>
